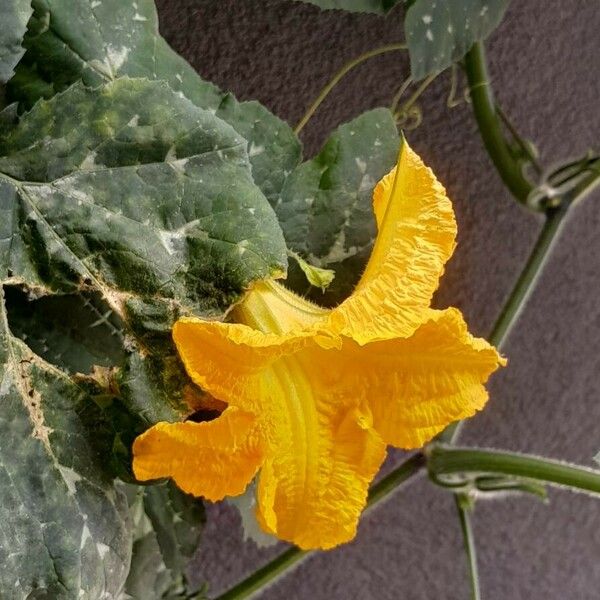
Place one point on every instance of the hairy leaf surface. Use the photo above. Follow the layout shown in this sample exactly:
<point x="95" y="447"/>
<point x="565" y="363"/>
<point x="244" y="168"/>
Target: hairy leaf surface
<point x="97" y="42"/>
<point x="326" y="209"/>
<point x="73" y="332"/>
<point x="132" y="191"/>
<point x="66" y="532"/>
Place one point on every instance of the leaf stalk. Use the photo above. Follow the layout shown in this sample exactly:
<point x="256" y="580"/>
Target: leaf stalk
<point x="464" y="507"/>
<point x="339" y="76"/>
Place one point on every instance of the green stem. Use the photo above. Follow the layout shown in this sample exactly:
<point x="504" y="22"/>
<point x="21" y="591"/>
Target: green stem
<point x="490" y="125"/>
<point x="339" y="75"/>
<point x="525" y="147"/>
<point x="265" y="575"/>
<point x="269" y="574"/>
<point x="395" y="478"/>
<point x="451" y="100"/>
<point x="401" y="90"/>
<point x="450" y="460"/>
<point x="462" y="506"/>
<point x="415" y="96"/>
<point x="529" y="276"/>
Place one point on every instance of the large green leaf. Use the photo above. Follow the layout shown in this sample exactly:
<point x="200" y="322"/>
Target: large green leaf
<point x="66" y="531"/>
<point x="326" y="208"/>
<point x="97" y="42"/>
<point x="14" y="15"/>
<point x="149" y="578"/>
<point x="440" y="33"/>
<point x="368" y="6"/>
<point x="133" y="192"/>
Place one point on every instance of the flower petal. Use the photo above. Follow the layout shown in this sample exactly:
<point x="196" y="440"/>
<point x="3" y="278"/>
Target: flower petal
<point x="315" y="499"/>
<point x="224" y="358"/>
<point x="213" y="459"/>
<point x="418" y="386"/>
<point x="321" y="452"/>
<point x="417" y="232"/>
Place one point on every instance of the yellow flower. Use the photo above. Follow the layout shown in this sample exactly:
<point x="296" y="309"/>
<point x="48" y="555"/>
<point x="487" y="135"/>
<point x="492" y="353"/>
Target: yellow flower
<point x="313" y="395"/>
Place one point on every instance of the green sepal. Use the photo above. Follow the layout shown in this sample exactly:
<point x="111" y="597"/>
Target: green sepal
<point x="320" y="278"/>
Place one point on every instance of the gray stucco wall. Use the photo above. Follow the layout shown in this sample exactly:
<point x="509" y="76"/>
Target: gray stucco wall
<point x="545" y="66"/>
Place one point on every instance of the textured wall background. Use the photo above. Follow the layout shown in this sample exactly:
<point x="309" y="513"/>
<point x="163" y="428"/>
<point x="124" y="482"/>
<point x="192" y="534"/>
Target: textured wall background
<point x="544" y="60"/>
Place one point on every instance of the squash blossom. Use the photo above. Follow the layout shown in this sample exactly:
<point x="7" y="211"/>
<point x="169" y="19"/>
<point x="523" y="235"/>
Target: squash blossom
<point x="313" y="396"/>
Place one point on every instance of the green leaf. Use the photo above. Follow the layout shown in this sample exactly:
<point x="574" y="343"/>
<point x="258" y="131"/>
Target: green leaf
<point x="68" y="531"/>
<point x="153" y="386"/>
<point x="368" y="6"/>
<point x="133" y="192"/>
<point x="97" y="42"/>
<point x="8" y="117"/>
<point x="273" y="147"/>
<point x="177" y="518"/>
<point x="168" y="528"/>
<point x="440" y="33"/>
<point x="14" y="15"/>
<point x="75" y="332"/>
<point x="326" y="208"/>
<point x="148" y="578"/>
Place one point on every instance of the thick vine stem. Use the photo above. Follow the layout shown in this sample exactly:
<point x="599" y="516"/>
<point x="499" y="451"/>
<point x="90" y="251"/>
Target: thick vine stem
<point x="490" y="126"/>
<point x="444" y="460"/>
<point x="266" y="575"/>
